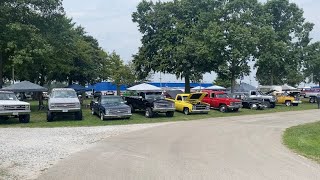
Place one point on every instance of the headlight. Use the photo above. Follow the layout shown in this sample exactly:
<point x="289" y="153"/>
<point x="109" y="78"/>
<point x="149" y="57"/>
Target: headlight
<point x="52" y="105"/>
<point x="1" y="108"/>
<point x="78" y="105"/>
<point x="27" y="107"/>
<point x="107" y="111"/>
<point x="208" y="107"/>
<point x="129" y="111"/>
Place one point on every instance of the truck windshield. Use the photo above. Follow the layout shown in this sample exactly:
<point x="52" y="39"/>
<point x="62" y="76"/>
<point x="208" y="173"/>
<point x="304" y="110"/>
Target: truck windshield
<point x="8" y="96"/>
<point x="222" y="96"/>
<point x="154" y="95"/>
<point x="64" y="94"/>
<point x="112" y="100"/>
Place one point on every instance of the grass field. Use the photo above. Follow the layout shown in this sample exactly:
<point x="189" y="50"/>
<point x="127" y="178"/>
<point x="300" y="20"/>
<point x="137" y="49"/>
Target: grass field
<point x="304" y="139"/>
<point x="38" y="118"/>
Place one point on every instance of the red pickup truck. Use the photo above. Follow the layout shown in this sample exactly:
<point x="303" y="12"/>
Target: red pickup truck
<point x="220" y="100"/>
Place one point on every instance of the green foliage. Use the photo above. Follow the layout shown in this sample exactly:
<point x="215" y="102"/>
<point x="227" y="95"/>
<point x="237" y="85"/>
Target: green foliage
<point x="283" y="37"/>
<point x="312" y="63"/>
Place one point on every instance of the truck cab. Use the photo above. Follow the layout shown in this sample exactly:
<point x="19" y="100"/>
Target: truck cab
<point x="268" y="99"/>
<point x="220" y="100"/>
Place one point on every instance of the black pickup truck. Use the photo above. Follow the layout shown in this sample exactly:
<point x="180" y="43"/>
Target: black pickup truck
<point x="152" y="103"/>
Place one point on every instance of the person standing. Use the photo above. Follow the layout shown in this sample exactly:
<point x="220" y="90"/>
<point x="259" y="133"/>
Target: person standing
<point x="318" y="100"/>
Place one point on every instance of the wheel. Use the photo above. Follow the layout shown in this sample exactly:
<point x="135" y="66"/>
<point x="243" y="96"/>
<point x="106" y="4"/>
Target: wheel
<point x="132" y="108"/>
<point x="253" y="106"/>
<point x="101" y="116"/>
<point x="78" y="115"/>
<point x="236" y="110"/>
<point x="272" y="105"/>
<point x="295" y="104"/>
<point x="223" y="108"/>
<point x="50" y="116"/>
<point x="24" y="118"/>
<point x="312" y="100"/>
<point x="186" y="111"/>
<point x="170" y="114"/>
<point x="288" y="103"/>
<point x="149" y="113"/>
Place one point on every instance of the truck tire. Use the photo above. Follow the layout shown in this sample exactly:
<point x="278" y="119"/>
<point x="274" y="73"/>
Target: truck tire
<point x="24" y="118"/>
<point x="272" y="105"/>
<point x="186" y="111"/>
<point x="78" y="115"/>
<point x="253" y="106"/>
<point x="101" y="116"/>
<point x="132" y="108"/>
<point x="288" y="103"/>
<point x="170" y="113"/>
<point x="295" y="104"/>
<point x="149" y="113"/>
<point x="223" y="108"/>
<point x="50" y="116"/>
<point x="312" y="100"/>
<point x="236" y="110"/>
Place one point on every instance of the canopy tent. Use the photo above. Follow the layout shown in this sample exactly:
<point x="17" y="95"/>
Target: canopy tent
<point x="288" y="88"/>
<point x="198" y="88"/>
<point x="243" y="87"/>
<point x="215" y="87"/>
<point x="25" y="86"/>
<point x="144" y="87"/>
<point x="77" y="87"/>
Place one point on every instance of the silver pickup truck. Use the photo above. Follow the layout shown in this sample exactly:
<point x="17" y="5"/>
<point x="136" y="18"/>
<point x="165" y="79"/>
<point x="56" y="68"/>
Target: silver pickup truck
<point x="63" y="101"/>
<point x="10" y="106"/>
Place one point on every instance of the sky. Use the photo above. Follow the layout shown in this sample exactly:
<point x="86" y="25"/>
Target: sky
<point x="110" y="22"/>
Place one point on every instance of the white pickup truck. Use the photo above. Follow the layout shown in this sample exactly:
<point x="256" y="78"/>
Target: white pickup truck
<point x="10" y="106"/>
<point x="63" y="101"/>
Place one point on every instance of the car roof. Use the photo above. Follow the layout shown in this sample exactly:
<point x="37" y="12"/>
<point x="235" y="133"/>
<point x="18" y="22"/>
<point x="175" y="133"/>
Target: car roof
<point x="6" y="92"/>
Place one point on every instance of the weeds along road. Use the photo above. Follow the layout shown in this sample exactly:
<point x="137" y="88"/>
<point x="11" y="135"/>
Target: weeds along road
<point x="242" y="147"/>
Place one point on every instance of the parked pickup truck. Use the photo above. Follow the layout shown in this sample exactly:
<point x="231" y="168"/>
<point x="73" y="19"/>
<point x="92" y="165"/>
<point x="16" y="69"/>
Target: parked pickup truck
<point x="289" y="99"/>
<point x="10" y="106"/>
<point x="191" y="103"/>
<point x="110" y="107"/>
<point x="152" y="103"/>
<point x="268" y="99"/>
<point x="248" y="102"/>
<point x="63" y="101"/>
<point x="220" y="100"/>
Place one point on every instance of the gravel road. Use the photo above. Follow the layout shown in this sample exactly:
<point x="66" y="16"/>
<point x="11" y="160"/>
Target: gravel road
<point x="26" y="152"/>
<point x="237" y="148"/>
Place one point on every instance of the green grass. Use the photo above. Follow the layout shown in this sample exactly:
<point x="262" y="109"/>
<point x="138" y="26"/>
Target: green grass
<point x="38" y="118"/>
<point x="304" y="139"/>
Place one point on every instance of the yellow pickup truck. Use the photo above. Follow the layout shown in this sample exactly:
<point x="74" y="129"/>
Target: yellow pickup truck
<point x="191" y="103"/>
<point x="288" y="99"/>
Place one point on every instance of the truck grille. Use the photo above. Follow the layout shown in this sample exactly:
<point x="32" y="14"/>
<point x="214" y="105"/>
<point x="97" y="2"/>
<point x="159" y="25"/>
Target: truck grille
<point x="162" y="105"/>
<point x="119" y="111"/>
<point x="14" y="107"/>
<point x="200" y="107"/>
<point x="237" y="103"/>
<point x="65" y="105"/>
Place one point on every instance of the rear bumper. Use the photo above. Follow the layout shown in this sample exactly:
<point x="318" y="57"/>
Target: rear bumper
<point x="112" y="116"/>
<point x="14" y="113"/>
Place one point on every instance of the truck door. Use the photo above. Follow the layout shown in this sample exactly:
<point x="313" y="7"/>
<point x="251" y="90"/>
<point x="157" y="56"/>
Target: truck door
<point x="206" y="99"/>
<point x="215" y="102"/>
<point x="178" y="103"/>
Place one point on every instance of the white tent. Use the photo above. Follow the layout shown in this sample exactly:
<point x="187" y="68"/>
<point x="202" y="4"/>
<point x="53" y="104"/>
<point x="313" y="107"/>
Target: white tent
<point x="216" y="88"/>
<point x="198" y="88"/>
<point x="144" y="87"/>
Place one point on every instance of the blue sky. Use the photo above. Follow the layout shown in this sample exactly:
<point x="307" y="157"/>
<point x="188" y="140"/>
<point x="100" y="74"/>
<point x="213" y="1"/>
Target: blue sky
<point x="110" y="22"/>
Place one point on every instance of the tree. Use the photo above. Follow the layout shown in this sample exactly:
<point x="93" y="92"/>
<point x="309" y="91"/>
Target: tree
<point x="118" y="72"/>
<point x="283" y="35"/>
<point x="312" y="63"/>
<point x="236" y="30"/>
<point x="222" y="81"/>
<point x="173" y="39"/>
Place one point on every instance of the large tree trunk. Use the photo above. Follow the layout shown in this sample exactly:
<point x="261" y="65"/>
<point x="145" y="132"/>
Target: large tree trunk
<point x="232" y="82"/>
<point x="187" y="84"/>
<point x="118" y="89"/>
<point x="1" y="69"/>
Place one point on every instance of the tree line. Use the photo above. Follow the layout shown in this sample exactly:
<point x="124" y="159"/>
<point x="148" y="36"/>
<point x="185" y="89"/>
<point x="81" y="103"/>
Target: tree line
<point x="39" y="43"/>
<point x="191" y="37"/>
